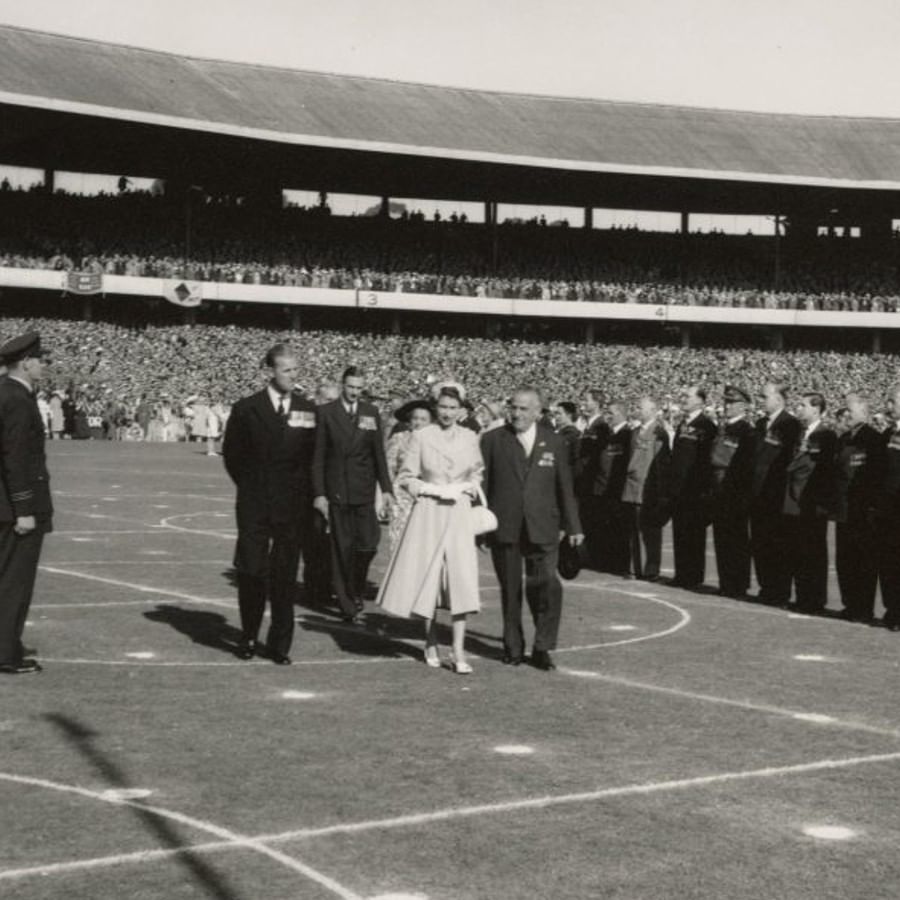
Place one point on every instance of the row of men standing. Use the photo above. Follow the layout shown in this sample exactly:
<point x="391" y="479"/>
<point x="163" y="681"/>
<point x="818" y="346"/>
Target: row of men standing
<point x="768" y="490"/>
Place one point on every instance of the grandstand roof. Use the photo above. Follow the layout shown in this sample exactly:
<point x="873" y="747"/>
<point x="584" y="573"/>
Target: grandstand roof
<point x="74" y="76"/>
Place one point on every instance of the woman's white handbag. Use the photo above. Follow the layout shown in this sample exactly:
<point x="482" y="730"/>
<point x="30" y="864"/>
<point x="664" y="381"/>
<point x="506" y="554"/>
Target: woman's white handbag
<point x="483" y="520"/>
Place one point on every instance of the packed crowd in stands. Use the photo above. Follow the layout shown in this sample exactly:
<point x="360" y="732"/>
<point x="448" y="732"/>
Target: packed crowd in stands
<point x="136" y="233"/>
<point x="104" y="372"/>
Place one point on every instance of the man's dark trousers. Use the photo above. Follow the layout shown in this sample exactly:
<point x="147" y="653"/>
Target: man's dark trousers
<point x="354" y="540"/>
<point x="19" y="556"/>
<point x="542" y="591"/>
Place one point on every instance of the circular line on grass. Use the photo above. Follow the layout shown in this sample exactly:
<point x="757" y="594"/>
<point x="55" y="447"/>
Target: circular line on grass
<point x="169" y="520"/>
<point x="239" y="840"/>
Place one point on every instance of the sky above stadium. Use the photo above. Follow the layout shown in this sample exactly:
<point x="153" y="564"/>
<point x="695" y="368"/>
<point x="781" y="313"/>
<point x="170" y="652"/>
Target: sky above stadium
<point x="809" y="56"/>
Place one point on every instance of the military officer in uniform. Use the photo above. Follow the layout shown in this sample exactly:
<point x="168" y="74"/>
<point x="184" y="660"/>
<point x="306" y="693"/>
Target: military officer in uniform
<point x="26" y="510"/>
<point x="731" y="472"/>
<point x="268" y="452"/>
<point x="612" y="470"/>
<point x="808" y="501"/>
<point x="691" y="478"/>
<point x="858" y="462"/>
<point x="349" y="462"/>
<point x="887" y="517"/>
<point x="777" y="433"/>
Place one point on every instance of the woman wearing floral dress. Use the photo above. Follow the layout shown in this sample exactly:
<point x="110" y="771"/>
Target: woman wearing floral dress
<point x="435" y="564"/>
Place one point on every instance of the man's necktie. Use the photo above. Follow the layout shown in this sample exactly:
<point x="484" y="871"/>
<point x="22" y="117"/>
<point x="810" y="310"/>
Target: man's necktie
<point x="283" y="408"/>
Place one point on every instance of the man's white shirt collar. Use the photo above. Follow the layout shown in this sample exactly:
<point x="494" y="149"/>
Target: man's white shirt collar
<point x="619" y="427"/>
<point x="275" y="397"/>
<point x="692" y="416"/>
<point x="527" y="438"/>
<point x="23" y="382"/>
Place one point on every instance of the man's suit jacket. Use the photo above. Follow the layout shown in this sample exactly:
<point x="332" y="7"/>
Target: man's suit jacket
<point x="774" y="449"/>
<point x="858" y="464"/>
<point x="270" y="460"/>
<point x="535" y="492"/>
<point x="572" y="436"/>
<point x="587" y="468"/>
<point x="810" y="476"/>
<point x="349" y="456"/>
<point x="654" y="491"/>
<point x="691" y="462"/>
<point x="24" y="481"/>
<point x="888" y="500"/>
<point x="731" y="461"/>
<point x="612" y="466"/>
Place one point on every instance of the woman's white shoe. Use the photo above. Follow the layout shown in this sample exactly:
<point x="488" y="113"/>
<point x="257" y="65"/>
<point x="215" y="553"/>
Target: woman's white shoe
<point x="432" y="658"/>
<point x="460" y="666"/>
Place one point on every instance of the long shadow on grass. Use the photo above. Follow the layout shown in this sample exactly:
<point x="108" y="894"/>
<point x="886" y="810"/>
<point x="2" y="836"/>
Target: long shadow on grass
<point x="202" y="627"/>
<point x="83" y="739"/>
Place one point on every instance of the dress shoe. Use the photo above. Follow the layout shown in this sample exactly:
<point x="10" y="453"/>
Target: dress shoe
<point x="355" y="619"/>
<point x="460" y="666"/>
<point x="23" y="667"/>
<point x="510" y="660"/>
<point x="893" y="626"/>
<point x="541" y="659"/>
<point x="281" y="659"/>
<point x="246" y="650"/>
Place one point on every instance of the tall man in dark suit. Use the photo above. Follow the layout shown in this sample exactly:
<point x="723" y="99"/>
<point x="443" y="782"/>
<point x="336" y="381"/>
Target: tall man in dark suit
<point x="528" y="484"/>
<point x="587" y="469"/>
<point x="564" y="414"/>
<point x="859" y="466"/>
<point x="808" y="500"/>
<point x="887" y="517"/>
<point x="647" y="491"/>
<point x="349" y="462"/>
<point x="26" y="510"/>
<point x="691" y="480"/>
<point x="777" y="433"/>
<point x="268" y="451"/>
<point x="612" y="470"/>
<point x="731" y="464"/>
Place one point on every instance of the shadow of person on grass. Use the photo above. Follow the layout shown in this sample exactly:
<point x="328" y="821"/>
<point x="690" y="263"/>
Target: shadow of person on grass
<point x="207" y="628"/>
<point x="85" y="741"/>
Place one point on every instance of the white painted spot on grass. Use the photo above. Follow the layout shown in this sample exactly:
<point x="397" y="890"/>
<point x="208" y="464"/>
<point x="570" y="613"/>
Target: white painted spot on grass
<point x="808" y="618"/>
<point x="514" y="749"/>
<point x="814" y="717"/>
<point x="810" y="657"/>
<point x="298" y="695"/>
<point x="28" y="622"/>
<point x="125" y="794"/>
<point x="829" y="832"/>
<point x="82" y="540"/>
<point x="110" y="499"/>
<point x="115" y="486"/>
<point x="141" y="654"/>
<point x="621" y="628"/>
<point x="400" y="897"/>
<point x="155" y="553"/>
<point x="161" y="506"/>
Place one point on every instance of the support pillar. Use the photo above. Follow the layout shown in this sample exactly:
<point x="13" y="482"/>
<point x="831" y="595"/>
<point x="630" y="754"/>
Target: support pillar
<point x="190" y="317"/>
<point x="589" y="333"/>
<point x="685" y="222"/>
<point x="295" y="318"/>
<point x="778" y="339"/>
<point x="395" y="322"/>
<point x="588" y="218"/>
<point x="49" y="180"/>
<point x="876" y="341"/>
<point x="685" y="332"/>
<point x="87" y="309"/>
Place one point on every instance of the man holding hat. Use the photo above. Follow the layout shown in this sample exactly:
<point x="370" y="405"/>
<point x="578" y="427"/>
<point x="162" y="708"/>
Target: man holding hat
<point x="26" y="510"/>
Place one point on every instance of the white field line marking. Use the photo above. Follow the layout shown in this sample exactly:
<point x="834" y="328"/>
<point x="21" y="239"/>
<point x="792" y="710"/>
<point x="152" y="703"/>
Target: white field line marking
<point x="684" y="620"/>
<point x="142" y="588"/>
<point x="157" y="495"/>
<point x="155" y="530"/>
<point x="142" y="562"/>
<point x="726" y="701"/>
<point x="105" y="516"/>
<point x="232" y="837"/>
<point x="169" y="472"/>
<point x="237" y="664"/>
<point x="90" y="605"/>
<point x="459" y="812"/>
<point x="167" y="523"/>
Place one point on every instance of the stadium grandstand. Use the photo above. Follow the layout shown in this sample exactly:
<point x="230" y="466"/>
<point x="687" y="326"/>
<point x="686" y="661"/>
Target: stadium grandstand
<point x="219" y="242"/>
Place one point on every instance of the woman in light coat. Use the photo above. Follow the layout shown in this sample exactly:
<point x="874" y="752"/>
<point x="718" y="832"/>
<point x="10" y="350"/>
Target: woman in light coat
<point x="435" y="564"/>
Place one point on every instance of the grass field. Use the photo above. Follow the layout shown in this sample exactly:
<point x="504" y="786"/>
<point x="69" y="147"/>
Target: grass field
<point x="687" y="747"/>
